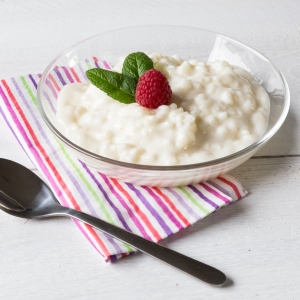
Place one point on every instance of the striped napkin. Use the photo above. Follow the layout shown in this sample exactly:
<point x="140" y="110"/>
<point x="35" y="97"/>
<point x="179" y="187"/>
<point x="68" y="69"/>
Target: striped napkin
<point x="151" y="212"/>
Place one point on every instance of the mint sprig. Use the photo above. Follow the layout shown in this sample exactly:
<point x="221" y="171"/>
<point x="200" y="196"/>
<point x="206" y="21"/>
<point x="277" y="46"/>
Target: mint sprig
<point x="118" y="86"/>
<point x="136" y="64"/>
<point x="121" y="86"/>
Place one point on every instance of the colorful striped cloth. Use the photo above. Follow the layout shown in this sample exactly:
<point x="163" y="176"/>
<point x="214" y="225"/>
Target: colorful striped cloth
<point x="151" y="212"/>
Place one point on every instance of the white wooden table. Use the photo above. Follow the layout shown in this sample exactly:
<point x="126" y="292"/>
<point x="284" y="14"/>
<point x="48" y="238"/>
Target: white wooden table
<point x="256" y="241"/>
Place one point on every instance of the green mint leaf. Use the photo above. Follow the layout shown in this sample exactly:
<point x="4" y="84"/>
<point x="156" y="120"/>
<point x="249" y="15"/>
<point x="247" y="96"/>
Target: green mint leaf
<point x="136" y="64"/>
<point x="118" y="86"/>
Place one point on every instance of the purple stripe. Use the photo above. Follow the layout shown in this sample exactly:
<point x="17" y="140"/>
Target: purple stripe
<point x="219" y="187"/>
<point x="96" y="64"/>
<point x="163" y="207"/>
<point x="112" y="241"/>
<point x="44" y="93"/>
<point x="50" y="102"/>
<point x="113" y="258"/>
<point x="154" y="213"/>
<point x="61" y="163"/>
<point x="124" y="204"/>
<point x="59" y="76"/>
<point x="33" y="81"/>
<point x="86" y="235"/>
<point x="11" y="129"/>
<point x="8" y="124"/>
<point x="67" y="170"/>
<point x="193" y="188"/>
<point x="117" y="211"/>
<point x="215" y="193"/>
<point x="68" y="74"/>
<point x="104" y="193"/>
<point x="32" y="147"/>
<point x="54" y="152"/>
<point x="82" y="71"/>
<point x="184" y="204"/>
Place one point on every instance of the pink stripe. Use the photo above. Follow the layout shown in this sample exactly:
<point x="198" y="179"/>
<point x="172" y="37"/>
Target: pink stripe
<point x="163" y="207"/>
<point x="62" y="164"/>
<point x="137" y="209"/>
<point x="171" y="205"/>
<point x="129" y="211"/>
<point x="54" y="82"/>
<point x="106" y="65"/>
<point x="32" y="148"/>
<point x="51" y="88"/>
<point x="28" y="139"/>
<point x="78" y="224"/>
<point x="215" y="193"/>
<point x="52" y="150"/>
<point x="59" y="192"/>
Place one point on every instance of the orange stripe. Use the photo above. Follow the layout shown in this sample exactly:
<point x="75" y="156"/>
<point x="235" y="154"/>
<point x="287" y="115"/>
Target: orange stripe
<point x="171" y="204"/>
<point x="39" y="146"/>
<point x="75" y="75"/>
<point x="90" y="228"/>
<point x="137" y="210"/>
<point x="43" y="152"/>
<point x="231" y="184"/>
<point x="97" y="239"/>
<point x="54" y="82"/>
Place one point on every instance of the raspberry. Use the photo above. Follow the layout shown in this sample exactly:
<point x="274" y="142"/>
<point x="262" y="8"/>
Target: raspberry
<point x="153" y="89"/>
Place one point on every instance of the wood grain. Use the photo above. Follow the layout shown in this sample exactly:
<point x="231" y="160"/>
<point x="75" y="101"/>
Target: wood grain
<point x="255" y="241"/>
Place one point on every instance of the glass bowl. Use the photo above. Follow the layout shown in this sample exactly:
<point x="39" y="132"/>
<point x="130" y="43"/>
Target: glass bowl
<point x="106" y="48"/>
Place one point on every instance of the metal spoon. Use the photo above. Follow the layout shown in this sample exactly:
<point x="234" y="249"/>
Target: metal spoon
<point x="23" y="194"/>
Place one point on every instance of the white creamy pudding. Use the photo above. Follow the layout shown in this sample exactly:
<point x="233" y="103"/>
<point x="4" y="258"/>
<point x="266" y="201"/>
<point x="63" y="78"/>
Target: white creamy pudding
<point x="216" y="110"/>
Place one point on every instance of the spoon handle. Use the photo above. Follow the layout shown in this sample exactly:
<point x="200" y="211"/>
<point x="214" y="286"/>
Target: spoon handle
<point x="189" y="265"/>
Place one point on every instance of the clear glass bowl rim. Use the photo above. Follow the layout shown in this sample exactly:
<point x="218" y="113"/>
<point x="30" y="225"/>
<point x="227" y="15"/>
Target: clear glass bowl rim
<point x="210" y="163"/>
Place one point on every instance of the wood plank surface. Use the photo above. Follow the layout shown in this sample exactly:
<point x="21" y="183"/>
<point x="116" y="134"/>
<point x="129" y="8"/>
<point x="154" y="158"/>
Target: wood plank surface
<point x="255" y="241"/>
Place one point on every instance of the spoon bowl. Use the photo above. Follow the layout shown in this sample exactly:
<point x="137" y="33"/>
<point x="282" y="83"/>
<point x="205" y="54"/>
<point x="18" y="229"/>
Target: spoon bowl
<point x="25" y="195"/>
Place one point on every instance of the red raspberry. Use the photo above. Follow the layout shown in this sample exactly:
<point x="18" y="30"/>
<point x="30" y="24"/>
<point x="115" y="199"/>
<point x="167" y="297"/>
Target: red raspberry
<point x="153" y="89"/>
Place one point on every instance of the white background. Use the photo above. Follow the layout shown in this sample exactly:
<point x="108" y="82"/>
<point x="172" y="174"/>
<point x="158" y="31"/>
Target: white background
<point x="256" y="241"/>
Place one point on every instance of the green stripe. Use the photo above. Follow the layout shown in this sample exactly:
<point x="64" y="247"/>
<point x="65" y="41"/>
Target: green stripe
<point x="74" y="165"/>
<point x="89" y="65"/>
<point x="90" y="188"/>
<point x="195" y="202"/>
<point x="28" y="90"/>
<point x="92" y="191"/>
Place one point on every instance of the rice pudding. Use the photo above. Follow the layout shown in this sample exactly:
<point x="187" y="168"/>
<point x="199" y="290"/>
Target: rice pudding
<point x="216" y="110"/>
